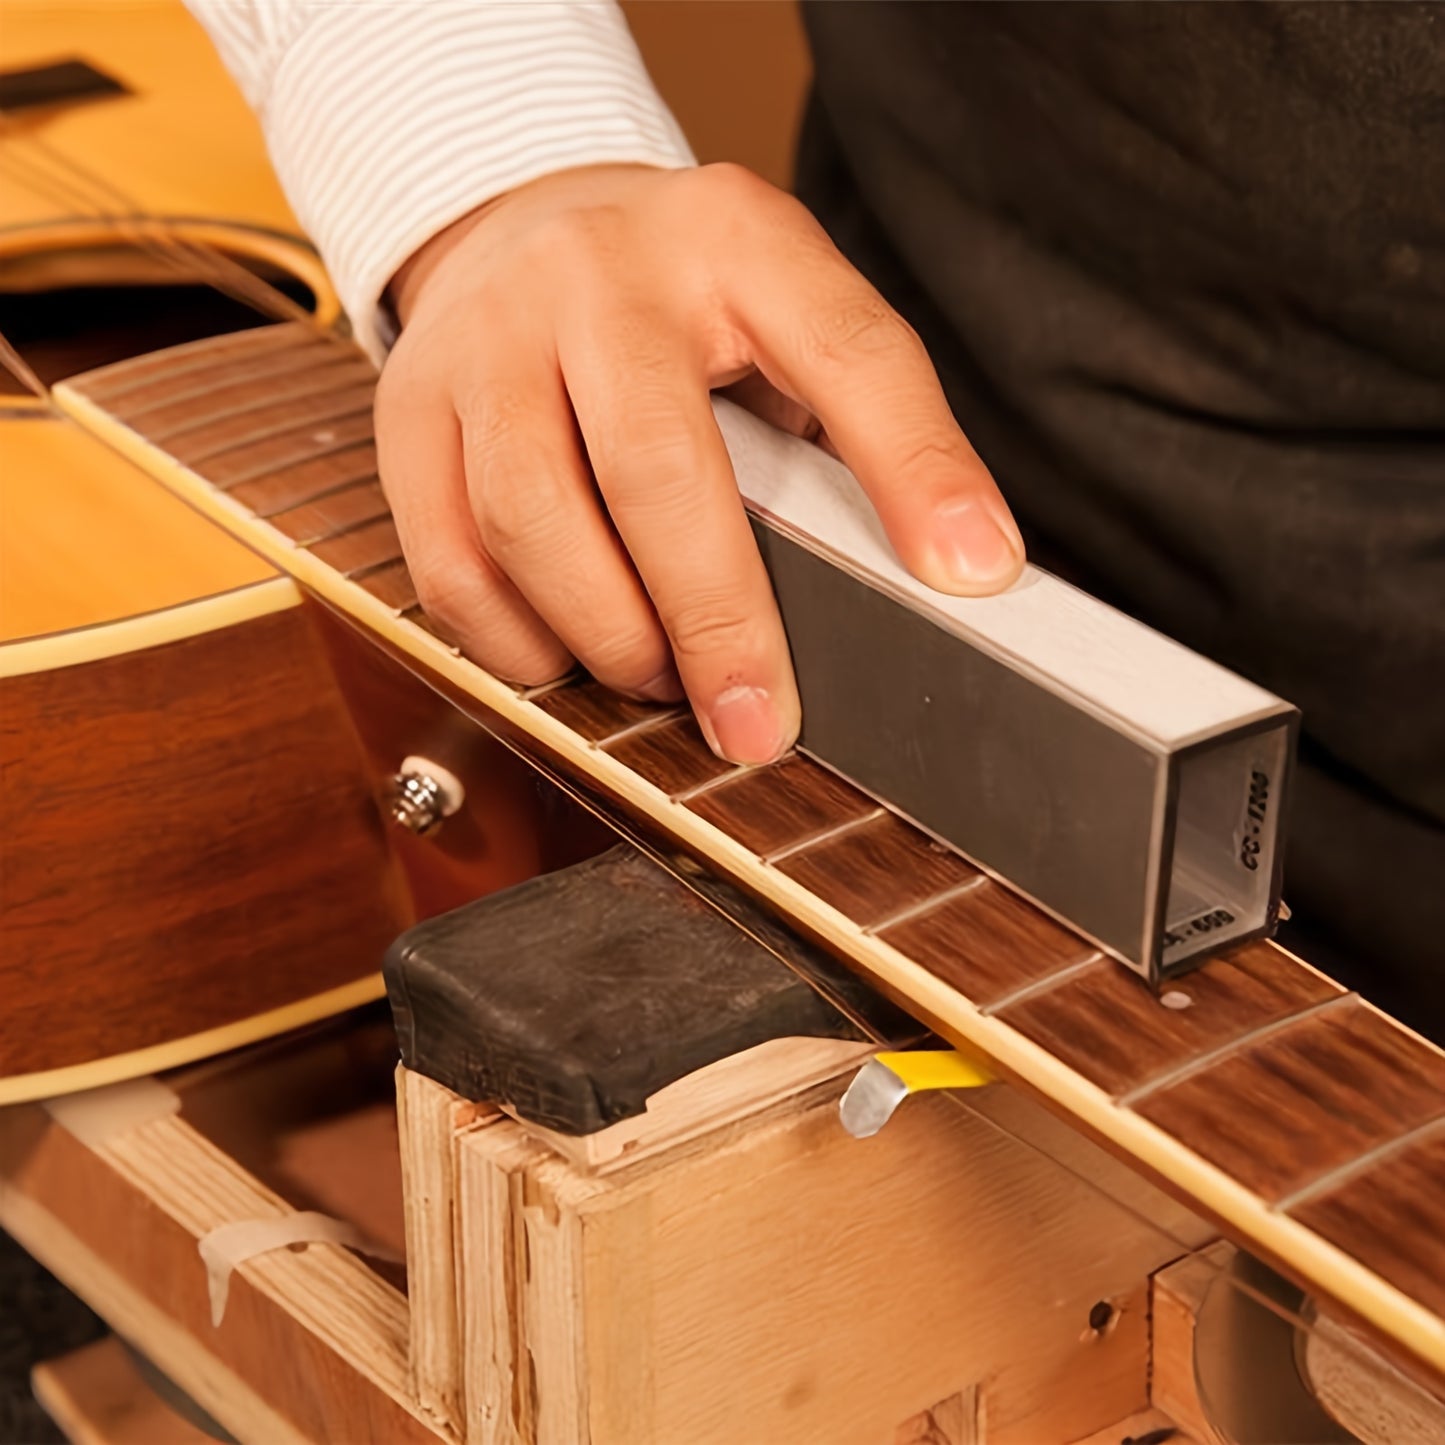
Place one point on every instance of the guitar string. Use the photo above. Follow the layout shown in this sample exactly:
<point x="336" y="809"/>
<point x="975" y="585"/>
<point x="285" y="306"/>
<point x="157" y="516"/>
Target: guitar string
<point x="267" y="298"/>
<point x="221" y="271"/>
<point x="955" y="1098"/>
<point x="21" y="369"/>
<point x="150" y="232"/>
<point x="56" y="176"/>
<point x="153" y="237"/>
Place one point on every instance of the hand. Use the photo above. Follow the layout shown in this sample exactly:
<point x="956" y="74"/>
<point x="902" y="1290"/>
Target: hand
<point x="552" y="461"/>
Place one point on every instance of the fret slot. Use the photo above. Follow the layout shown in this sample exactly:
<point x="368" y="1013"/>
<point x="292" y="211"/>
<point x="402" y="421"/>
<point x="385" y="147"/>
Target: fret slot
<point x="332" y="514"/>
<point x="1110" y="1026"/>
<point x="1303" y="1099"/>
<point x="1392" y="1219"/>
<point x="596" y="712"/>
<point x="673" y="756"/>
<point x="138" y="402"/>
<point x="393" y="585"/>
<point x="368" y="546"/>
<point x="258" y="423"/>
<point x="877" y="869"/>
<point x="416" y="616"/>
<point x="173" y="422"/>
<point x="987" y="942"/>
<point x="291" y="447"/>
<point x="765" y="809"/>
<point x="308" y="482"/>
<point x="109" y="384"/>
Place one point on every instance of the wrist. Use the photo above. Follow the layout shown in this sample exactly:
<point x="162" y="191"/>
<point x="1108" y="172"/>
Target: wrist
<point x="589" y="184"/>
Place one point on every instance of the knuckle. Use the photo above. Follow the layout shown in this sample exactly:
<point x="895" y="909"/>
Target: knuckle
<point x="627" y="658"/>
<point x="492" y="416"/>
<point x="864" y="327"/>
<point x="578" y="235"/>
<point x="934" y="456"/>
<point x="449" y="593"/>
<point x="729" y="182"/>
<point x="709" y="627"/>
<point x="400" y="386"/>
<point x="517" y="518"/>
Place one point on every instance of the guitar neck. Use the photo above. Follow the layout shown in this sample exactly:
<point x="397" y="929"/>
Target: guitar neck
<point x="1308" y="1124"/>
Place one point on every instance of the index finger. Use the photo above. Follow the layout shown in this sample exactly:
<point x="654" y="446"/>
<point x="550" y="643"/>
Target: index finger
<point x="826" y="337"/>
<point x="664" y="472"/>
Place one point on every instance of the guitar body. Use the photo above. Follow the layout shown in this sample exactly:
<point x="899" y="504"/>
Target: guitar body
<point x="191" y="852"/>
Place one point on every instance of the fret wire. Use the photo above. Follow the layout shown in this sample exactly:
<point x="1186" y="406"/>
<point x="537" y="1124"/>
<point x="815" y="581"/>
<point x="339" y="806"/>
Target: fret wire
<point x="926" y="905"/>
<point x="324" y="386"/>
<point x="740" y="770"/>
<point x="295" y="504"/>
<point x="1046" y="984"/>
<point x="531" y="694"/>
<point x="344" y="530"/>
<point x="357" y="574"/>
<point x="266" y="434"/>
<point x="260" y="369"/>
<point x="1177" y="1073"/>
<point x="258" y="341"/>
<point x="451" y="647"/>
<point x="823" y="835"/>
<point x="642" y="725"/>
<point x="1332" y="1179"/>
<point x="294" y="460"/>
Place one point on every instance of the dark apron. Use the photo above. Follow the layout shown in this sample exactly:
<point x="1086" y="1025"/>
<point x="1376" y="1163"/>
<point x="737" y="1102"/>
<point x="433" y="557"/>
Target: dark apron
<point x="1182" y="270"/>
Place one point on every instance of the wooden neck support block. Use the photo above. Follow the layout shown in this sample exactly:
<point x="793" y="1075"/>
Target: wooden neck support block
<point x="574" y="997"/>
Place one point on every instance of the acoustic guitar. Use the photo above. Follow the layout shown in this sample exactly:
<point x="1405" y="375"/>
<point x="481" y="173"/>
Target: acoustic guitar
<point x="1307" y="1124"/>
<point x="191" y="852"/>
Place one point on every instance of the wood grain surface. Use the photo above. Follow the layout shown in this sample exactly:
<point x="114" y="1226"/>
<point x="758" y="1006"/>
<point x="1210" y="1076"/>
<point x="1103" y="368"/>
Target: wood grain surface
<point x="1393" y="1217"/>
<point x="139" y="550"/>
<point x="1260" y="1112"/>
<point x="877" y="869"/>
<point x="1250" y="1063"/>
<point x="987" y="942"/>
<point x="768" y="809"/>
<point x="187" y="838"/>
<point x="1107" y="1023"/>
<point x="671" y="755"/>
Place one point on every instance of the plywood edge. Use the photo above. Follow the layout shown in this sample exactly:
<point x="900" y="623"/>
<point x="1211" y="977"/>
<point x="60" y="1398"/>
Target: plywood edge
<point x="97" y="1396"/>
<point x="169" y="1188"/>
<point x="429" y="1117"/>
<point x="1176" y="1295"/>
<point x="1313" y="1258"/>
<point x="171" y="1347"/>
<point x="353" y="1311"/>
<point x="738" y="1087"/>
<point x="500" y="1393"/>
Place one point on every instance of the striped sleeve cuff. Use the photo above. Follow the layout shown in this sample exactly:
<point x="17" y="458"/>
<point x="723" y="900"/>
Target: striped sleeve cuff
<point x="387" y="122"/>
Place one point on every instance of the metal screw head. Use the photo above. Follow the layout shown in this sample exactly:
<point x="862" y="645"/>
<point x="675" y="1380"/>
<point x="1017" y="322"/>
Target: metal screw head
<point x="416" y="802"/>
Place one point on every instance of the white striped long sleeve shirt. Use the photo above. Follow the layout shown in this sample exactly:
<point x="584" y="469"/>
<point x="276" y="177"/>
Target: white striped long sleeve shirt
<point x="389" y="119"/>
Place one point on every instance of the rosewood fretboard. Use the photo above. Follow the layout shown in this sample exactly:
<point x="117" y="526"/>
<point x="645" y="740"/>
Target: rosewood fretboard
<point x="1324" y="1121"/>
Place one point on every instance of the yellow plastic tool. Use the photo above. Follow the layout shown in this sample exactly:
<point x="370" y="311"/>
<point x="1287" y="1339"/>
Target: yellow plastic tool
<point x="886" y="1080"/>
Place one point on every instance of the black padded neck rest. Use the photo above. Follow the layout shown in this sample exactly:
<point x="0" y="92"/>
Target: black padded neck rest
<point x="573" y="997"/>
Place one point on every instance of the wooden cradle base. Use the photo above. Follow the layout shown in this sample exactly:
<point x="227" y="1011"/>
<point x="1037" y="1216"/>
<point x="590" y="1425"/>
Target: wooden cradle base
<point x="730" y="1268"/>
<point x="742" y="1271"/>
